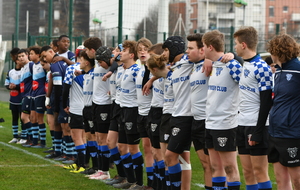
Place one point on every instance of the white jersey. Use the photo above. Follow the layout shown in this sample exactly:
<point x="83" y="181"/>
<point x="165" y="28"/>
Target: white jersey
<point x="128" y="97"/>
<point x="222" y="97"/>
<point x="256" y="77"/>
<point x="76" y="90"/>
<point x="101" y="88"/>
<point x="158" y="93"/>
<point x="168" y="106"/>
<point x="199" y="87"/>
<point x="112" y="85"/>
<point x="181" y="87"/>
<point x="143" y="101"/>
<point x="88" y="88"/>
<point x="119" y="75"/>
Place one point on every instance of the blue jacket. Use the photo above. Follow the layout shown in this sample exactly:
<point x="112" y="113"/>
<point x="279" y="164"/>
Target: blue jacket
<point x="285" y="113"/>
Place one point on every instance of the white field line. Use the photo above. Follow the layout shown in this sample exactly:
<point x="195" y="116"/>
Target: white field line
<point x="31" y="154"/>
<point x="29" y="166"/>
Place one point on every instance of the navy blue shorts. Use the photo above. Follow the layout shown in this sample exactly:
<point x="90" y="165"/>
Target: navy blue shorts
<point x="26" y="104"/>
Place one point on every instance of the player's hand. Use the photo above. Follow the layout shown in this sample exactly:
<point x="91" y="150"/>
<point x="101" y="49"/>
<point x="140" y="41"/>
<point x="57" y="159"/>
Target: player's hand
<point x="146" y="88"/>
<point x="252" y="143"/>
<point x="67" y="110"/>
<point x="47" y="103"/>
<point x="77" y="72"/>
<point x="207" y="67"/>
<point x="227" y="57"/>
<point x="57" y="58"/>
<point x="106" y="76"/>
<point x="12" y="86"/>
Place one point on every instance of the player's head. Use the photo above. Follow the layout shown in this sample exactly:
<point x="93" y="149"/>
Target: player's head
<point x="214" y="38"/>
<point x="156" y="49"/>
<point x="174" y="45"/>
<point x="47" y="53"/>
<point x="103" y="56"/>
<point x="143" y="46"/>
<point x="63" y="43"/>
<point x="85" y="62"/>
<point x="23" y="56"/>
<point x="283" y="48"/>
<point x="195" y="50"/>
<point x="34" y="53"/>
<point x="92" y="44"/>
<point x="14" y="53"/>
<point x="157" y="64"/>
<point x="129" y="51"/>
<point x="245" y="37"/>
<point x="54" y="45"/>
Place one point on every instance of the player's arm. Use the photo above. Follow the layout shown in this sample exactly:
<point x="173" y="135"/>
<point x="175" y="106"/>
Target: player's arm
<point x="65" y="97"/>
<point x="148" y="85"/>
<point x="235" y="70"/>
<point x="264" y="108"/>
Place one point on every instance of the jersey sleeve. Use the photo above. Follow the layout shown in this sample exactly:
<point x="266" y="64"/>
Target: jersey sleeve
<point x="263" y="76"/>
<point x="235" y="70"/>
<point x="57" y="75"/>
<point x="69" y="76"/>
<point x="7" y="79"/>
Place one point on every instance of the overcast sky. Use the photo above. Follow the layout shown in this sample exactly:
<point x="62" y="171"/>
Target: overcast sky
<point x="107" y="12"/>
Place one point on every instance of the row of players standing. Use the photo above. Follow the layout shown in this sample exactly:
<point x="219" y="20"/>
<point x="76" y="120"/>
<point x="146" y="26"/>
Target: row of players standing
<point x="219" y="113"/>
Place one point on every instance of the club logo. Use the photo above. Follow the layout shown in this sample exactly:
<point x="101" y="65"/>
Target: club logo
<point x="128" y="125"/>
<point x="292" y="152"/>
<point x="103" y="116"/>
<point x="289" y="77"/>
<point x="222" y="141"/>
<point x="153" y="127"/>
<point x="166" y="136"/>
<point x="91" y="124"/>
<point x="246" y="72"/>
<point x="175" y="131"/>
<point x="177" y="183"/>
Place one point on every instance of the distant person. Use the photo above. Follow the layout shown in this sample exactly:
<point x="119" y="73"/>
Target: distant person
<point x="12" y="83"/>
<point x="64" y="54"/>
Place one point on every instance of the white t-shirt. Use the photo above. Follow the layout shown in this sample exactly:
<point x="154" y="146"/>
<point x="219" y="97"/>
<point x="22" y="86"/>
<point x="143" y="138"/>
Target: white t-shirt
<point x="128" y="97"/>
<point x="168" y="106"/>
<point x="101" y="89"/>
<point x="158" y="93"/>
<point x="222" y="97"/>
<point x="142" y="100"/>
<point x="256" y="77"/>
<point x="88" y="88"/>
<point x="119" y="75"/>
<point x="199" y="87"/>
<point x="181" y="87"/>
<point x="76" y="90"/>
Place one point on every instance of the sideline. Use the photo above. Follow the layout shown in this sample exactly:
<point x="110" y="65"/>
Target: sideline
<point x="31" y="154"/>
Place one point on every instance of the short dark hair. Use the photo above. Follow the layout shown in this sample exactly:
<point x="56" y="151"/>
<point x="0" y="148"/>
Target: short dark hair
<point x="62" y="36"/>
<point x="197" y="38"/>
<point x="36" y="49"/>
<point x="14" y="51"/>
<point x="54" y="42"/>
<point x="86" y="57"/>
<point x="92" y="43"/>
<point x="45" y="48"/>
<point x="157" y="49"/>
<point x="131" y="45"/>
<point x="23" y="51"/>
<point x="269" y="60"/>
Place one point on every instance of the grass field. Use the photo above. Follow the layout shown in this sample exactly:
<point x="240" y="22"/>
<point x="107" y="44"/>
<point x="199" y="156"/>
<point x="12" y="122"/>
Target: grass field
<point x="25" y="168"/>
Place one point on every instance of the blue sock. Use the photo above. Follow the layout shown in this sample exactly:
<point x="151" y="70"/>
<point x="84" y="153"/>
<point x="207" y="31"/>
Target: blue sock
<point x="252" y="187"/>
<point x="265" y="185"/>
<point x="218" y="181"/>
<point x="234" y="185"/>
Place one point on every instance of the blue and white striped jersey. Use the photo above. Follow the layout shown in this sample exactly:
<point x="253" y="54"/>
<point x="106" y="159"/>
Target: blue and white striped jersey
<point x="101" y="89"/>
<point x="88" y="88"/>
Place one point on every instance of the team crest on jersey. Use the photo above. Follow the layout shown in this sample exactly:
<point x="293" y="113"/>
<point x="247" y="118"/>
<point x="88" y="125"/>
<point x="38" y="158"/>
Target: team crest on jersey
<point x="176" y="184"/>
<point x="128" y="125"/>
<point x="153" y="127"/>
<point x="175" y="131"/>
<point x="103" y="116"/>
<point x="219" y="70"/>
<point x="246" y="72"/>
<point x="222" y="141"/>
<point x="166" y="136"/>
<point x="289" y="77"/>
<point x="292" y="152"/>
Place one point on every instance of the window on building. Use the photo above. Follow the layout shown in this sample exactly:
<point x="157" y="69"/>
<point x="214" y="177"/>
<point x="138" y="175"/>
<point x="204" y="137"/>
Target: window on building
<point x="56" y="15"/>
<point x="256" y="8"/>
<point x="42" y="14"/>
<point x="271" y="11"/>
<point x="56" y="30"/>
<point x="42" y="1"/>
<point x="41" y="30"/>
<point x="285" y="9"/>
<point x="271" y="27"/>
